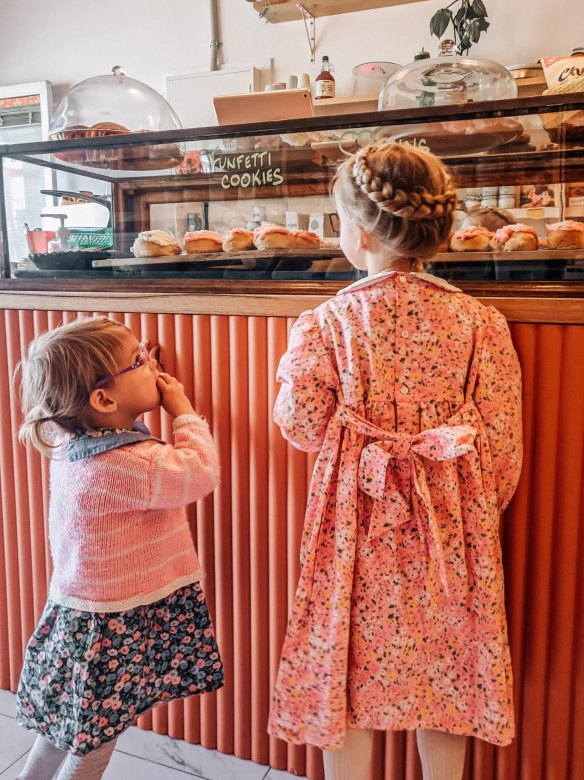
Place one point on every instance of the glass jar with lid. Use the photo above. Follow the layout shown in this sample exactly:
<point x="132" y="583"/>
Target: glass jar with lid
<point x="115" y="105"/>
<point x="446" y="80"/>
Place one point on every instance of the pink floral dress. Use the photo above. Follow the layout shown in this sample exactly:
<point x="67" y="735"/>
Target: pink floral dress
<point x="411" y="391"/>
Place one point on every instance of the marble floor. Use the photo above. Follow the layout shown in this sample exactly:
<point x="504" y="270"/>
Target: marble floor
<point x="138" y="754"/>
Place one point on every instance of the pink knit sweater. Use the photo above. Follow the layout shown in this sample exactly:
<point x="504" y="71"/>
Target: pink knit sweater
<point x="117" y="522"/>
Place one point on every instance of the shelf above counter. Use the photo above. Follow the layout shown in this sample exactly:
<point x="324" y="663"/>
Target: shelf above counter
<point x="276" y="11"/>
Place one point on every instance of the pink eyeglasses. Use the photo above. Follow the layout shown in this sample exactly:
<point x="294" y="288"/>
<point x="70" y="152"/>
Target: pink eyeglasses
<point x="142" y="360"/>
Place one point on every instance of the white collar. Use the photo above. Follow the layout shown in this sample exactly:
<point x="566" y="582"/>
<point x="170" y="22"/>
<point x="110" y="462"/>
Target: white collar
<point x="369" y="280"/>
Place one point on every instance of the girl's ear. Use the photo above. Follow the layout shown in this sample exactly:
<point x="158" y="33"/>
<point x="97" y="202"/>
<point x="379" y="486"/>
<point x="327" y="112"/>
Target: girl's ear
<point x="366" y="241"/>
<point x="101" y="401"/>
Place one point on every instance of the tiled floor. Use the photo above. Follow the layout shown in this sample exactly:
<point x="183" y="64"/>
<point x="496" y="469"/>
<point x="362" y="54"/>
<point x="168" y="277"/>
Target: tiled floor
<point x="138" y="754"/>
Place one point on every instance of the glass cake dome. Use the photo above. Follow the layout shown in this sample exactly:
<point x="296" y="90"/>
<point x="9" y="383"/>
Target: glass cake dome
<point x="446" y="80"/>
<point x="115" y="105"/>
<point x="112" y="104"/>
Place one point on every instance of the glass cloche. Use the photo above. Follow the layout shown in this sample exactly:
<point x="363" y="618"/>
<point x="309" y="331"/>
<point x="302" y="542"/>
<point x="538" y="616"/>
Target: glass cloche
<point x="446" y="80"/>
<point x="113" y="105"/>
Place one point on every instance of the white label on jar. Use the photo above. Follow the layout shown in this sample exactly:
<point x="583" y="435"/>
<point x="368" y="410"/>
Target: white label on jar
<point x="324" y="88"/>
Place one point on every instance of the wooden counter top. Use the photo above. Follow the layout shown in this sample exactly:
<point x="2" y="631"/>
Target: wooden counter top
<point x="552" y="302"/>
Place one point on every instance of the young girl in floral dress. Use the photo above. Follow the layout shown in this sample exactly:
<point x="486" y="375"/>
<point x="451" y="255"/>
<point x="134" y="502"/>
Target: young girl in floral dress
<point x="126" y="625"/>
<point x="411" y="391"/>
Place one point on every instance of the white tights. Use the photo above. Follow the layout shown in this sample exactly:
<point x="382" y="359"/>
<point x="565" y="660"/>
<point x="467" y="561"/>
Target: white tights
<point x="45" y="759"/>
<point x="441" y="754"/>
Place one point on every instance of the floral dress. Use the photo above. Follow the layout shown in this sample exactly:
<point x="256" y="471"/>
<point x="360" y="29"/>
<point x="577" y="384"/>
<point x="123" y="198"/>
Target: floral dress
<point x="411" y="391"/>
<point x="86" y="676"/>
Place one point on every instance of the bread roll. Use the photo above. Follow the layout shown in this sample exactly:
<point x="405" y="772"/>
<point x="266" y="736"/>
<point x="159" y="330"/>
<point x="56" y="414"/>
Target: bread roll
<point x="566" y="235"/>
<point x="473" y="239"/>
<point x="154" y="243"/>
<point x="273" y="237"/>
<point x="305" y="239"/>
<point x="516" y="237"/>
<point x="203" y="241"/>
<point x="238" y="240"/>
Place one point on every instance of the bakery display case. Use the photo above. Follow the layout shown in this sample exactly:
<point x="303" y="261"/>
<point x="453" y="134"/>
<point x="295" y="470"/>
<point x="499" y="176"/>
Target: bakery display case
<point x="514" y="162"/>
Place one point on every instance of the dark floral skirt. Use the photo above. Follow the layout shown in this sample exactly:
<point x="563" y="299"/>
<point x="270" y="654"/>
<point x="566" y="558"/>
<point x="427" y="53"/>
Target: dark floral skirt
<point x="87" y="675"/>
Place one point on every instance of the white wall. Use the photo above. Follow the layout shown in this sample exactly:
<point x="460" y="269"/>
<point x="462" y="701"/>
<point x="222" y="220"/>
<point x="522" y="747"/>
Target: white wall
<point x="65" y="42"/>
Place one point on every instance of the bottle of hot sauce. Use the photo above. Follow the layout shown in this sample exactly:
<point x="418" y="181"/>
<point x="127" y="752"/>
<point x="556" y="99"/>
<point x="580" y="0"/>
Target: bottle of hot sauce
<point x="324" y="83"/>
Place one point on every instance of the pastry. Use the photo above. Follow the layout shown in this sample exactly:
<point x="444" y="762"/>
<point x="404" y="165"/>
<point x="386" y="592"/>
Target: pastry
<point x="273" y="237"/>
<point x="154" y="243"/>
<point x="304" y="239"/>
<point x="472" y="239"/>
<point x="203" y="241"/>
<point x="515" y="237"/>
<point x="565" y="235"/>
<point x="238" y="240"/>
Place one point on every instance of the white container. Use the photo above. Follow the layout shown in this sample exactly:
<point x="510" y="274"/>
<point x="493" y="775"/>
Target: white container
<point x="489" y="203"/>
<point x="296" y="221"/>
<point x="322" y="224"/>
<point x="507" y="201"/>
<point x="489" y="192"/>
<point x="508" y="190"/>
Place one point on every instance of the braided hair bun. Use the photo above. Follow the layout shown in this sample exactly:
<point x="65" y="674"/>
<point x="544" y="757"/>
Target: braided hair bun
<point x="402" y="196"/>
<point x="394" y="197"/>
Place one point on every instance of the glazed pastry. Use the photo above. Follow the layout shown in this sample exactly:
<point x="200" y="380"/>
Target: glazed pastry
<point x="273" y="237"/>
<point x="203" y="241"/>
<point x="566" y="235"/>
<point x="305" y="239"/>
<point x="516" y="237"/>
<point x="472" y="239"/>
<point x="154" y="243"/>
<point x="238" y="240"/>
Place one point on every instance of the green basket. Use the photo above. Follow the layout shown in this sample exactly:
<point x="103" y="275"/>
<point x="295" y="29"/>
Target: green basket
<point x="102" y="238"/>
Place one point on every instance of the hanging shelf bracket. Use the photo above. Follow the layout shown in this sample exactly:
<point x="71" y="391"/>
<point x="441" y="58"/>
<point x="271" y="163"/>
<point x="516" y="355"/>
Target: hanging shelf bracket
<point x="310" y="28"/>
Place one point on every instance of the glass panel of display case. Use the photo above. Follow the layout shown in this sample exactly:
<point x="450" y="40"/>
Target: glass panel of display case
<point x="511" y="167"/>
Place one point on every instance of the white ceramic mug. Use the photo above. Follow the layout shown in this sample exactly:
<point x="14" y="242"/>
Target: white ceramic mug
<point x="292" y="82"/>
<point x="304" y="81"/>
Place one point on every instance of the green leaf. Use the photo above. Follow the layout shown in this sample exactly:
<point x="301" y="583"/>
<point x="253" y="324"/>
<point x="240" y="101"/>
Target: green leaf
<point x="483" y="24"/>
<point x="474" y="30"/>
<point x="479" y="8"/>
<point x="440" y="21"/>
<point x="459" y="16"/>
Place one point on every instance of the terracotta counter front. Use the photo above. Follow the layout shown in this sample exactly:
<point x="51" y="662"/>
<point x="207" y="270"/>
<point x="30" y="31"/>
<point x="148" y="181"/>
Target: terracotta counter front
<point x="225" y="348"/>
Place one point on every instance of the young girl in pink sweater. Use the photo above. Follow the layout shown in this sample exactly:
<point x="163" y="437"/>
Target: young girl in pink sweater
<point x="126" y="625"/>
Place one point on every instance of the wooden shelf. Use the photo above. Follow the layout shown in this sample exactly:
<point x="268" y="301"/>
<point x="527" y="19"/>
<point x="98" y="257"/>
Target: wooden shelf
<point x="531" y="87"/>
<point x="285" y="11"/>
<point x="355" y="104"/>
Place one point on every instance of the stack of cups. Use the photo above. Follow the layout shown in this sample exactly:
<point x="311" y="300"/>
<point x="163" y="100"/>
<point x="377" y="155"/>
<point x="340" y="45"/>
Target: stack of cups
<point x="473" y="197"/>
<point x="489" y="197"/>
<point x="507" y="197"/>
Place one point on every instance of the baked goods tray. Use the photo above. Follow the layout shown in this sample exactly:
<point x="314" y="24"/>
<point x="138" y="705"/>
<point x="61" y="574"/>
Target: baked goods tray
<point x="253" y="259"/>
<point x="539" y="255"/>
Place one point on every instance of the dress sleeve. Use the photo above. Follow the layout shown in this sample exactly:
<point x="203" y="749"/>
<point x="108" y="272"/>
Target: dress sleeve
<point x="307" y="396"/>
<point x="497" y="395"/>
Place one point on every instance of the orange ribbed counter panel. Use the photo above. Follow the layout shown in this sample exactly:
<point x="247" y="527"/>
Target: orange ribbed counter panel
<point x="248" y="536"/>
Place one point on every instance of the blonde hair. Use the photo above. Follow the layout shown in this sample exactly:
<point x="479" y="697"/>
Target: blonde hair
<point x="58" y="373"/>
<point x="402" y="196"/>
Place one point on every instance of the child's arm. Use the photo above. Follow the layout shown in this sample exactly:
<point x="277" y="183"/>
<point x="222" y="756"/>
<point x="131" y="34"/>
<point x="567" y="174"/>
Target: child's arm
<point x="498" y="398"/>
<point x="307" y="397"/>
<point x="189" y="470"/>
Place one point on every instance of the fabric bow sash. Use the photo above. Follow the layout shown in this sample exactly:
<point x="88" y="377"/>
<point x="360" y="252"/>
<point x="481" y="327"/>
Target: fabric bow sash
<point x="391" y="470"/>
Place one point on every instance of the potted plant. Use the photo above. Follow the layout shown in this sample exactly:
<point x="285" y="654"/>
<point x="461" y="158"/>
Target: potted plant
<point x="469" y="21"/>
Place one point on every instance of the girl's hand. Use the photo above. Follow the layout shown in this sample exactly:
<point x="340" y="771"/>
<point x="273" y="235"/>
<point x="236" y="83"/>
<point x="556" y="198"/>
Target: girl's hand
<point x="174" y="400"/>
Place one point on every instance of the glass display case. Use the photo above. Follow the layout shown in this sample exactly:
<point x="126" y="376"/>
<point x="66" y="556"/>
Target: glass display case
<point x="523" y="157"/>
